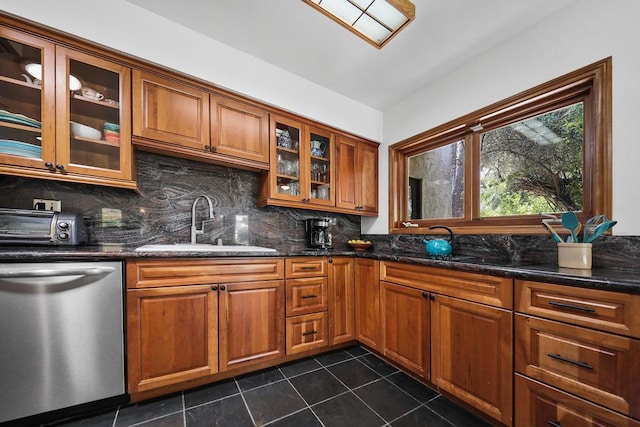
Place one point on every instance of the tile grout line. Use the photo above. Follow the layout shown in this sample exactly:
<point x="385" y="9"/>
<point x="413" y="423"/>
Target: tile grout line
<point x="301" y="397"/>
<point x="350" y="390"/>
<point x="184" y="411"/>
<point x="253" y="421"/>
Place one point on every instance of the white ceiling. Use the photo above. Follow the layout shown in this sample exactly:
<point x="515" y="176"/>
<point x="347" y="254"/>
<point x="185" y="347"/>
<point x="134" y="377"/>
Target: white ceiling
<point x="292" y="35"/>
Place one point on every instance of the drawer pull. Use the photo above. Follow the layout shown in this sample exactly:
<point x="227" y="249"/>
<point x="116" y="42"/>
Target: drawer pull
<point x="572" y="306"/>
<point x="554" y="424"/>
<point x="308" y="268"/>
<point x="304" y="334"/>
<point x="573" y="362"/>
<point x="309" y="296"/>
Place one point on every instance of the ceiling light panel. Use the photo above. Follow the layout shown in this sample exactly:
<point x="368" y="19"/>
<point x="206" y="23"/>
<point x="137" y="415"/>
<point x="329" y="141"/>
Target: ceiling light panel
<point x="376" y="21"/>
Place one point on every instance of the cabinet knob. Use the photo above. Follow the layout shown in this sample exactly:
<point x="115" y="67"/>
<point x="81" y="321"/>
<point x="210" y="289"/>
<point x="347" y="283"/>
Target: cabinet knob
<point x="207" y="148"/>
<point x="330" y="260"/>
<point x="223" y="288"/>
<point x="425" y="294"/>
<point x="214" y="288"/>
<point x="60" y="167"/>
<point x="49" y="166"/>
<point x="213" y="149"/>
<point x="432" y="297"/>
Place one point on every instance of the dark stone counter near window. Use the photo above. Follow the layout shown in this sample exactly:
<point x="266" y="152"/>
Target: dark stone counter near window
<point x="612" y="279"/>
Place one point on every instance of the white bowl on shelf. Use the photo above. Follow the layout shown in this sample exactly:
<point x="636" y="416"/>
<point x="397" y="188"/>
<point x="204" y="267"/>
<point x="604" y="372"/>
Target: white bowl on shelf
<point x="84" y="131"/>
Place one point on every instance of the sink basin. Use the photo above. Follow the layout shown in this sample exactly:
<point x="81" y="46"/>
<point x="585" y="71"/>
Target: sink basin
<point x="202" y="247"/>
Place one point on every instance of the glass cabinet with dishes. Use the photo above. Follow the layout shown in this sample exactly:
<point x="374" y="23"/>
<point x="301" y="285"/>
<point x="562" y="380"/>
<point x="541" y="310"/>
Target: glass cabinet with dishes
<point x="301" y="169"/>
<point x="27" y="99"/>
<point x="92" y="107"/>
<point x="64" y="114"/>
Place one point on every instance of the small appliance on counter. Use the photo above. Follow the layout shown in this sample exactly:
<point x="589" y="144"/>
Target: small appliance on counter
<point x="38" y="227"/>
<point x="318" y="234"/>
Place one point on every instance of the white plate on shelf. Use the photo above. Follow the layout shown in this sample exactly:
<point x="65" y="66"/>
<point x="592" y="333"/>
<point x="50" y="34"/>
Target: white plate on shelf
<point x="84" y="131"/>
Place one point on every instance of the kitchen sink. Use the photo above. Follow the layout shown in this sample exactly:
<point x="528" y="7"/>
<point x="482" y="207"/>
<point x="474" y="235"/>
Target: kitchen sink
<point x="202" y="247"/>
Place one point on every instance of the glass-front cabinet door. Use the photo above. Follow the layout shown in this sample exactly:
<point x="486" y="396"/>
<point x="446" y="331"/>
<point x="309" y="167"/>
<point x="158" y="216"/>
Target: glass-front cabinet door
<point x="93" y="102"/>
<point x="27" y="100"/>
<point x="288" y="163"/>
<point x="321" y="176"/>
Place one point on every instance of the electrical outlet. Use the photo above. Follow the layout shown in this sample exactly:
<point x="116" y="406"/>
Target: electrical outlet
<point x="47" y="205"/>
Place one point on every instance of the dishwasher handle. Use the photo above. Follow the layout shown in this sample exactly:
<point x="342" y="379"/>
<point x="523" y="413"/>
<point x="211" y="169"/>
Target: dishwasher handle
<point x="52" y="272"/>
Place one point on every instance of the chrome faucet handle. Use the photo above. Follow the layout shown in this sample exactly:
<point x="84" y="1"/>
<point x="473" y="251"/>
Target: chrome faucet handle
<point x="212" y="215"/>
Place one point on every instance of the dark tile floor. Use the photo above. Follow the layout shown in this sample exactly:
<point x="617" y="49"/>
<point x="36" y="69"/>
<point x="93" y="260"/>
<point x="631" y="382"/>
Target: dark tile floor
<point x="349" y="387"/>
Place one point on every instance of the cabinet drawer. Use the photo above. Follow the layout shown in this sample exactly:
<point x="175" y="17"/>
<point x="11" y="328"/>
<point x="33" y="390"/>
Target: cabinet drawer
<point x="603" y="310"/>
<point x="543" y="406"/>
<point x="305" y="267"/>
<point x="306" y="332"/>
<point x="173" y="272"/>
<point x="306" y="295"/>
<point x="496" y="291"/>
<point x="597" y="366"/>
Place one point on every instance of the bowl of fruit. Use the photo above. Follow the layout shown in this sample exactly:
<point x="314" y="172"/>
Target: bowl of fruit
<point x="359" y="245"/>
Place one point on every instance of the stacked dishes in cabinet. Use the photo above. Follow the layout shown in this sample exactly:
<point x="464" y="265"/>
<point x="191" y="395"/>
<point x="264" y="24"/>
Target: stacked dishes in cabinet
<point x="288" y="160"/>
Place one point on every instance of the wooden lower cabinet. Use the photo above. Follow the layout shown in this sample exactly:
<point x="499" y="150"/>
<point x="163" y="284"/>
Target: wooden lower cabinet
<point x="172" y="335"/>
<point x="405" y="322"/>
<point x="306" y="332"/>
<point x="342" y="321"/>
<point x="251" y="323"/>
<point x="472" y="354"/>
<point x="594" y="365"/>
<point x="539" y="405"/>
<point x="367" y="292"/>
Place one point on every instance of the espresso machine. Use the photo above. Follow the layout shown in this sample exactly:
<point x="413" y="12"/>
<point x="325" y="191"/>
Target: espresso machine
<point x="318" y="234"/>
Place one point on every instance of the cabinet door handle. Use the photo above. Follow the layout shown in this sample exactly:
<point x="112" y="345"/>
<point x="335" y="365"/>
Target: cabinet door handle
<point x="425" y="294"/>
<point x="573" y="362"/>
<point x="214" y="288"/>
<point x="572" y="306"/>
<point x="432" y="297"/>
<point x="308" y="268"/>
<point x="213" y="149"/>
<point x="49" y="166"/>
<point x="223" y="288"/>
<point x="309" y="296"/>
<point x="554" y="423"/>
<point x="304" y="334"/>
<point x="60" y="167"/>
<point x="330" y="260"/>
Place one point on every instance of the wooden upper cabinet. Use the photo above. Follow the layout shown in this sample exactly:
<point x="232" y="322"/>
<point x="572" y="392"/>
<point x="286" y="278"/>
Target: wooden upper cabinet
<point x="55" y="130"/>
<point x="239" y="129"/>
<point x="169" y="111"/>
<point x="357" y="175"/>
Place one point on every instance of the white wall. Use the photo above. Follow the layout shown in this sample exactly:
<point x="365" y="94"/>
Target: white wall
<point x="583" y="33"/>
<point x="151" y="37"/>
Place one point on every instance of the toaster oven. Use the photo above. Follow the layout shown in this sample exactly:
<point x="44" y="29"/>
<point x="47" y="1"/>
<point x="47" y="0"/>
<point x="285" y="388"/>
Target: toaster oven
<point x="35" y="227"/>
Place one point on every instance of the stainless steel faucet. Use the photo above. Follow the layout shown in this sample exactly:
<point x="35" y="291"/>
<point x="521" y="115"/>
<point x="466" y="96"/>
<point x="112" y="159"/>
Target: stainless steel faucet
<point x="212" y="215"/>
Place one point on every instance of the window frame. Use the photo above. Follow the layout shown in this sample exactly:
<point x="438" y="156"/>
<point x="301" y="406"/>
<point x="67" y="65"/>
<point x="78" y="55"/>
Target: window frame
<point x="591" y="84"/>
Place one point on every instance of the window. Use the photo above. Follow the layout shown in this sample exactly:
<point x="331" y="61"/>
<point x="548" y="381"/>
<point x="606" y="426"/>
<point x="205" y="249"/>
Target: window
<point x="497" y="170"/>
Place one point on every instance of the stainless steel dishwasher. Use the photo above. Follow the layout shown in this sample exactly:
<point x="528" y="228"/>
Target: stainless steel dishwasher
<point x="61" y="336"/>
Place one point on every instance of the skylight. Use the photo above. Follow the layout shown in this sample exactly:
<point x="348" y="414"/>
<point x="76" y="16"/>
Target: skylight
<point x="376" y="21"/>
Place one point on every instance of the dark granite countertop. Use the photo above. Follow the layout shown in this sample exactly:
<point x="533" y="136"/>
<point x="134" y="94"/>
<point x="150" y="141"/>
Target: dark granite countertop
<point x="612" y="279"/>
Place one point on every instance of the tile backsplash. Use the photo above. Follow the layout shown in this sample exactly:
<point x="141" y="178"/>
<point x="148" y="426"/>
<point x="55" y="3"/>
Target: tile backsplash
<point x="162" y="212"/>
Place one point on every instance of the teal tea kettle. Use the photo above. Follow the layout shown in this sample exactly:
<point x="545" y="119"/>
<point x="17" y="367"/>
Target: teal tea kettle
<point x="439" y="247"/>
